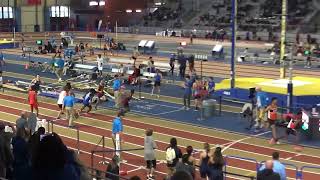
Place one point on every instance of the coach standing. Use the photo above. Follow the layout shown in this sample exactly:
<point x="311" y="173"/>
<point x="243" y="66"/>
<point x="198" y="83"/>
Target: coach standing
<point x="117" y="130"/>
<point x="116" y="87"/>
<point x="68" y="104"/>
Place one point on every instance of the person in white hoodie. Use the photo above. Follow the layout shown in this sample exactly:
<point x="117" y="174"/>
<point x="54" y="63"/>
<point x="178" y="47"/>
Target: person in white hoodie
<point x="62" y="94"/>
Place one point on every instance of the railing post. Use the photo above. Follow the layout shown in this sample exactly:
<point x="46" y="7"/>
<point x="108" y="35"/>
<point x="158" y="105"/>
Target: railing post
<point x="78" y="140"/>
<point x="48" y="126"/>
<point x="92" y="153"/>
<point x="220" y="105"/>
<point x="103" y="146"/>
<point x="52" y="126"/>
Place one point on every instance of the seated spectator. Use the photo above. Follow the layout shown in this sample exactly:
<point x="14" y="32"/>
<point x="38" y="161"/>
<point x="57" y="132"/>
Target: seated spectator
<point x="278" y="167"/>
<point x="22" y="121"/>
<point x="112" y="171"/>
<point x="268" y="173"/>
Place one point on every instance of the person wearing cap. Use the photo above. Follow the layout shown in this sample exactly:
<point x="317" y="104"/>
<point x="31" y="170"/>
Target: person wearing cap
<point x="116" y="87"/>
<point x="117" y="130"/>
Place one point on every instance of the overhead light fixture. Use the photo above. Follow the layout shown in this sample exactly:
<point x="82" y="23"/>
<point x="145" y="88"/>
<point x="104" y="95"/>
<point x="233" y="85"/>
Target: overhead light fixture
<point x="138" y="10"/>
<point x="102" y="3"/>
<point x="158" y="3"/>
<point x="129" y="11"/>
<point x="93" y="3"/>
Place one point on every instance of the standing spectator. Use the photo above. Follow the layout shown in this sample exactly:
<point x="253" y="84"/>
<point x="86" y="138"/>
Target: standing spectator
<point x="149" y="154"/>
<point x="191" y="63"/>
<point x="33" y="100"/>
<point x="21" y="154"/>
<point x="112" y="172"/>
<point x="183" y="64"/>
<point x="211" y="87"/>
<point x="100" y="64"/>
<point x="278" y="167"/>
<point x="187" y="92"/>
<point x="187" y="163"/>
<point x="68" y="104"/>
<point x="1" y="81"/>
<point x="216" y="164"/>
<point x="171" y="63"/>
<point x="261" y="103"/>
<point x="36" y="82"/>
<point x="197" y="94"/>
<point x="308" y="61"/>
<point x="116" y="87"/>
<point x="272" y="117"/>
<point x="2" y="62"/>
<point x="22" y="122"/>
<point x="32" y="122"/>
<point x="6" y="157"/>
<point x="157" y="83"/>
<point x="173" y="154"/>
<point x="204" y="162"/>
<point x="82" y="52"/>
<point x="191" y="38"/>
<point x="268" y="173"/>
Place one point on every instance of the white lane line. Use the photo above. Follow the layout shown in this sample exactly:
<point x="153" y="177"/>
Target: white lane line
<point x="289" y="158"/>
<point x="246" y="138"/>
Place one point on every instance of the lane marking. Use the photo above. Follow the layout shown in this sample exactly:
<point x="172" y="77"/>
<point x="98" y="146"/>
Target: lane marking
<point x="289" y="158"/>
<point x="243" y="139"/>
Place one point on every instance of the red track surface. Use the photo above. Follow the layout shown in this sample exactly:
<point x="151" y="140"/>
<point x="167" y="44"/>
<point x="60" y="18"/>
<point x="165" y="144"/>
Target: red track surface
<point x="176" y="133"/>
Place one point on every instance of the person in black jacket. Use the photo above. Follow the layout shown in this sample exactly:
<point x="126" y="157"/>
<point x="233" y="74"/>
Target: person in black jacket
<point x="267" y="173"/>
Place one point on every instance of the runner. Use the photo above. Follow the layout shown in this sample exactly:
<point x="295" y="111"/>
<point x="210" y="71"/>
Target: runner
<point x="61" y="97"/>
<point x="272" y="117"/>
<point x="32" y="99"/>
<point x="117" y="130"/>
<point x="157" y="83"/>
<point x="87" y="100"/>
<point x="100" y="94"/>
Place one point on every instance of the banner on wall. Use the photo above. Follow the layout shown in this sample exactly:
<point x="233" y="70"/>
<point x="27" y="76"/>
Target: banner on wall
<point x="34" y="2"/>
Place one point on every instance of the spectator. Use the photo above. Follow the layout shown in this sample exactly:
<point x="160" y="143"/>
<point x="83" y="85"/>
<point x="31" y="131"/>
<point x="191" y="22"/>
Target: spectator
<point x="32" y="122"/>
<point x="151" y="67"/>
<point x="308" y="62"/>
<point x="204" y="162"/>
<point x="268" y="173"/>
<point x="183" y="64"/>
<point x="216" y="164"/>
<point x="53" y="161"/>
<point x="187" y="92"/>
<point x="22" y="122"/>
<point x="61" y="97"/>
<point x="179" y="175"/>
<point x="21" y="154"/>
<point x="173" y="154"/>
<point x="157" y="83"/>
<point x="187" y="163"/>
<point x="6" y="157"/>
<point x="34" y="142"/>
<point x="112" y="171"/>
<point x="211" y="87"/>
<point x="149" y="153"/>
<point x="278" y="167"/>
<point x="100" y="64"/>
<point x="171" y="63"/>
<point x="36" y="82"/>
<point x="59" y="64"/>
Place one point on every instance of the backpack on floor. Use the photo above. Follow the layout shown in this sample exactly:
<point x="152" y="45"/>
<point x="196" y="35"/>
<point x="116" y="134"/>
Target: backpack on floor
<point x="170" y="155"/>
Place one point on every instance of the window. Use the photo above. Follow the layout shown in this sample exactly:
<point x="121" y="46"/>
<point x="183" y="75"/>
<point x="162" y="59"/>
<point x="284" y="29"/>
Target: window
<point x="59" y="11"/>
<point x="6" y="13"/>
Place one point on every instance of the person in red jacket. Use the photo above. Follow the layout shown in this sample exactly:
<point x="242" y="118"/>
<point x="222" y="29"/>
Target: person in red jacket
<point x="33" y="100"/>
